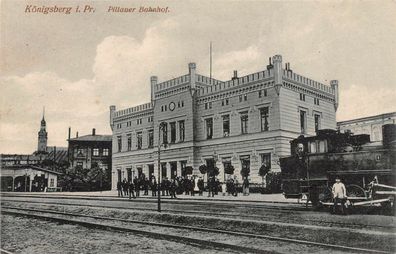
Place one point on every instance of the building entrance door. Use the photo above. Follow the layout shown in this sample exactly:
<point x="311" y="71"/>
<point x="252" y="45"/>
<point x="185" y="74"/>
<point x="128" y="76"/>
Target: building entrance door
<point x="129" y="174"/>
<point x="173" y="166"/>
<point x="119" y="175"/>
<point x="151" y="171"/>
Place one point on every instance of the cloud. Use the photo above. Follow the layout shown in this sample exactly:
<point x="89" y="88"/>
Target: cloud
<point x="360" y="101"/>
<point x="122" y="69"/>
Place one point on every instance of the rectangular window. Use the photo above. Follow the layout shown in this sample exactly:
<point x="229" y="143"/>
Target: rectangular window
<point x="222" y="102"/>
<point x="165" y="133"/>
<point x="209" y="128"/>
<point x="226" y="125"/>
<point x="264" y="118"/>
<point x="119" y="142"/>
<point x="139" y="140"/>
<point x="80" y="152"/>
<point x="210" y="105"/>
<point x="95" y="152"/>
<point x="181" y="131"/>
<point x="317" y="122"/>
<point x="260" y="94"/>
<point x="244" y="122"/>
<point x="105" y="151"/>
<point x="266" y="159"/>
<point x="303" y="118"/>
<point x="206" y="105"/>
<point x="265" y="92"/>
<point x="173" y="132"/>
<point x="151" y="138"/>
<point x="129" y="142"/>
<point x="226" y="100"/>
<point x="302" y="97"/>
<point x="245" y="97"/>
<point x="52" y="182"/>
<point x="240" y="98"/>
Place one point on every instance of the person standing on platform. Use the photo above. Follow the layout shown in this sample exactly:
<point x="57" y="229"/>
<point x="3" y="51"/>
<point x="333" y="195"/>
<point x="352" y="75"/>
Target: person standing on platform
<point x="172" y="188"/>
<point x="137" y="186"/>
<point x="125" y="187"/>
<point x="339" y="195"/>
<point x="131" y="189"/>
<point x="201" y="185"/>
<point x="224" y="188"/>
<point x="153" y="187"/>
<point x="119" y="189"/>
<point x="235" y="186"/>
<point x="146" y="186"/>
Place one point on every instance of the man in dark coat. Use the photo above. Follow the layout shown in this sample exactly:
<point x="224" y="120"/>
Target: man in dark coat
<point x="201" y="186"/>
<point x="153" y="187"/>
<point x="137" y="186"/>
<point x="192" y="186"/>
<point x="172" y="188"/>
<point x="119" y="188"/>
<point x="131" y="189"/>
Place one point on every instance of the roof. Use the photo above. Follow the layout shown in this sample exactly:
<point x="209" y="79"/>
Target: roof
<point x="97" y="138"/>
<point x="368" y="118"/>
<point x="32" y="167"/>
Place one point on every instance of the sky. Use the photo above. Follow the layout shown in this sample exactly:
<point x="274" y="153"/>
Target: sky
<point x="76" y="65"/>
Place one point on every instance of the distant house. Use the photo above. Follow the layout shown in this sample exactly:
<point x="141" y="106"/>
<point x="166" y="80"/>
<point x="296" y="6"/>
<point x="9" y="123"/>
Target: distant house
<point x="26" y="177"/>
<point x="91" y="150"/>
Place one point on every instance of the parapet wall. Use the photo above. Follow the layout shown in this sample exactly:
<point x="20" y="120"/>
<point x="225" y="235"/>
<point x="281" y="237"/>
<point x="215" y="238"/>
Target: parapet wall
<point x="221" y="86"/>
<point x="136" y="109"/>
<point x="308" y="82"/>
<point x="172" y="83"/>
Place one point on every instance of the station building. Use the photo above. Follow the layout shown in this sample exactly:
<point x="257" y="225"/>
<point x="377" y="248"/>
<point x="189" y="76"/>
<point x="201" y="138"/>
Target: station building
<point x="371" y="125"/>
<point x="245" y="121"/>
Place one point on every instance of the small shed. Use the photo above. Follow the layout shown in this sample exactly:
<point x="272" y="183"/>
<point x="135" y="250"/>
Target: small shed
<point x="27" y="178"/>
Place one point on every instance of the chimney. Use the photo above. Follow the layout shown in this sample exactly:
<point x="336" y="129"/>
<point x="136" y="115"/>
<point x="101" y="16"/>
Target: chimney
<point x="269" y="66"/>
<point x="69" y="133"/>
<point x="235" y="75"/>
<point x="77" y="134"/>
<point x="93" y="132"/>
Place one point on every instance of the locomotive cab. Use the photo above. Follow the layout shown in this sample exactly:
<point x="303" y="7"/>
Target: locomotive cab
<point x="315" y="161"/>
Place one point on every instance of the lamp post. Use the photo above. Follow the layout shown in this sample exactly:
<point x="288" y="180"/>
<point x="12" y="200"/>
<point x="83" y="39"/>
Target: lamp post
<point x="161" y="126"/>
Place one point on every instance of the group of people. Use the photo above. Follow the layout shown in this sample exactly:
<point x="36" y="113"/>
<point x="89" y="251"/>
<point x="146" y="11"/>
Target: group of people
<point x="189" y="185"/>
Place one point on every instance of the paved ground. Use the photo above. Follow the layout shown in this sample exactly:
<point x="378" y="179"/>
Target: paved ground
<point x="253" y="197"/>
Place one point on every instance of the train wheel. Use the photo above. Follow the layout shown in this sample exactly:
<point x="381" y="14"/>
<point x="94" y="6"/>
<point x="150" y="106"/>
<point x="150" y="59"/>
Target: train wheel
<point x="354" y="190"/>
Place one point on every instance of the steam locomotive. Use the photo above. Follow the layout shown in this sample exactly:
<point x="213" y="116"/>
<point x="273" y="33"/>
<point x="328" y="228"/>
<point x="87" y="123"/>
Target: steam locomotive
<point x="367" y="169"/>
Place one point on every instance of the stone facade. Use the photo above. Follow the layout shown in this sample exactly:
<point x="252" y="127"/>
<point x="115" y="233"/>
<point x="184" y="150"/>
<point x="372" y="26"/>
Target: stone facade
<point x="371" y="125"/>
<point x="246" y="121"/>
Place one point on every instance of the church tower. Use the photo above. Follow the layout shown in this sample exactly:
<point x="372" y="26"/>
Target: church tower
<point x="42" y="136"/>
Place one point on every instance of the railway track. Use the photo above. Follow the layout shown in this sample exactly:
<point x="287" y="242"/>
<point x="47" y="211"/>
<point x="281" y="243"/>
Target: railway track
<point x="243" y="242"/>
<point x="223" y="214"/>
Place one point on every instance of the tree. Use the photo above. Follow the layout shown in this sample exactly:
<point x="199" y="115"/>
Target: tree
<point x="203" y="169"/>
<point x="229" y="169"/>
<point x="188" y="170"/>
<point x="214" y="171"/>
<point x="263" y="171"/>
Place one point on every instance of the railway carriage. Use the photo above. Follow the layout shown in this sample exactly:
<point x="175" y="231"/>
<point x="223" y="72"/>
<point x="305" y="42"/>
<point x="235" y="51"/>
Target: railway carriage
<point x="366" y="168"/>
